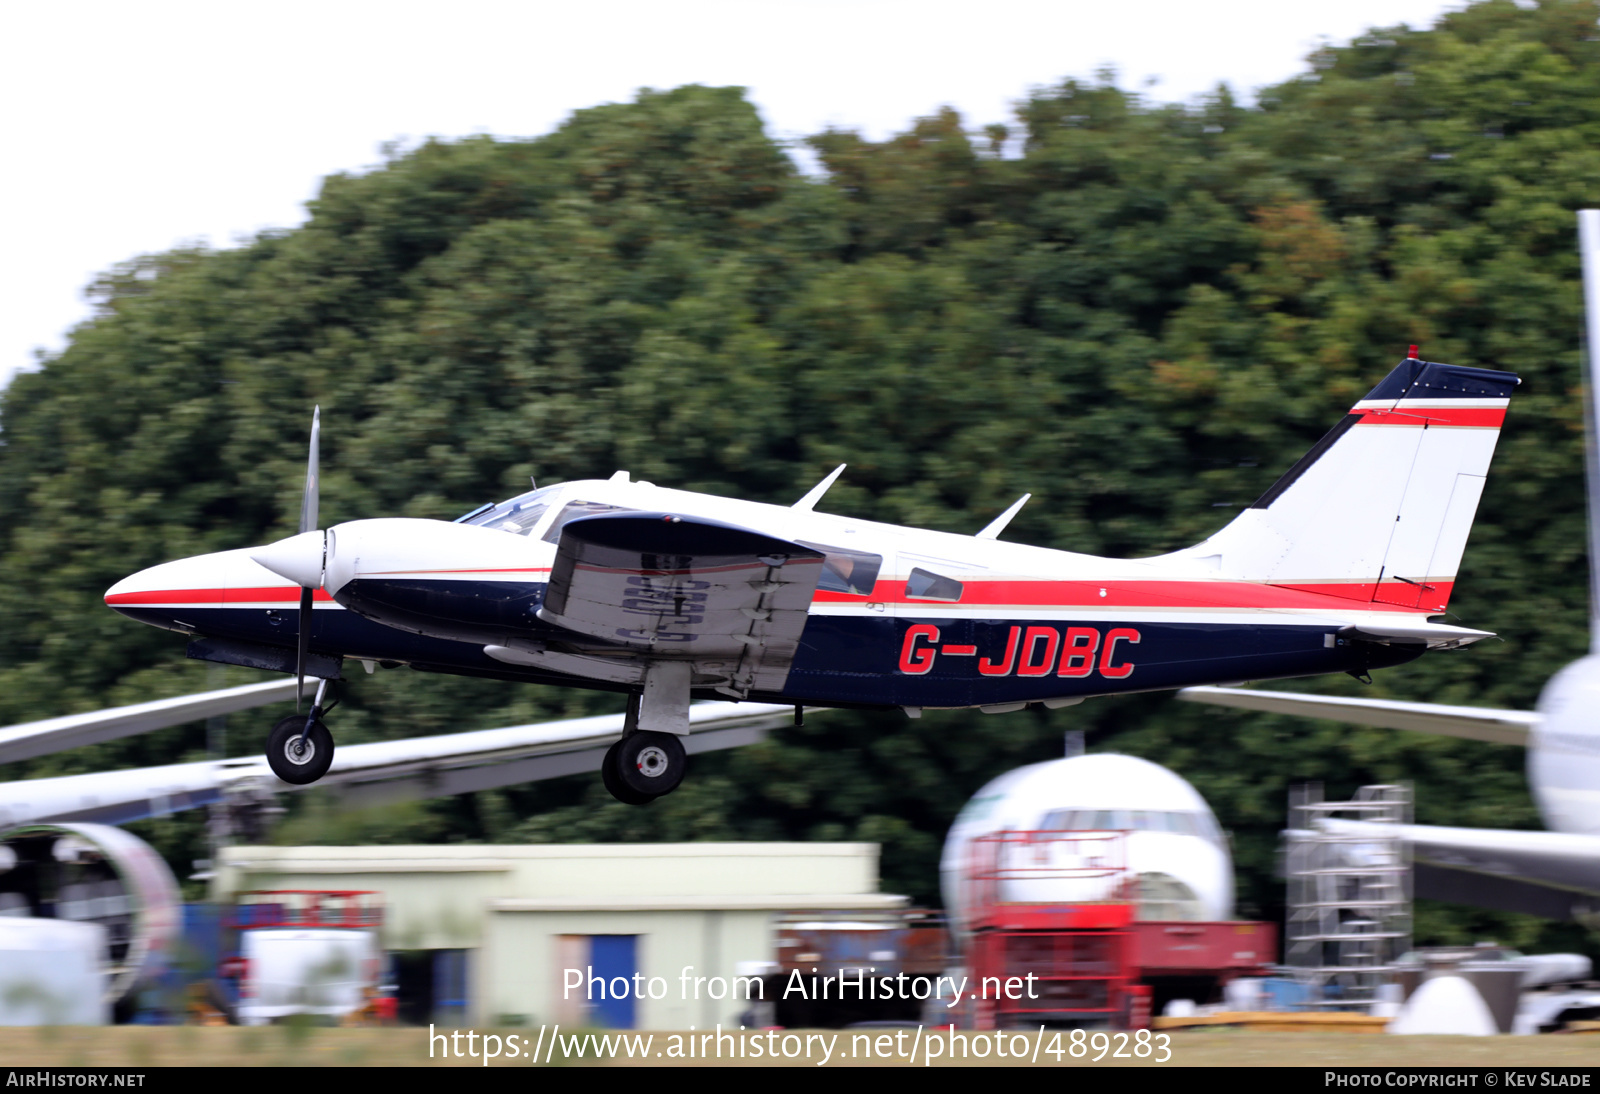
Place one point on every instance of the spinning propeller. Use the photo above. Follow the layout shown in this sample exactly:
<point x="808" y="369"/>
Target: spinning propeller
<point x="300" y="558"/>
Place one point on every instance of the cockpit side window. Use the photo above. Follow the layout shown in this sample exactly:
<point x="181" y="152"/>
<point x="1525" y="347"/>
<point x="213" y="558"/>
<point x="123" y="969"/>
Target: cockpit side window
<point x="575" y="509"/>
<point x="927" y="585"/>
<point x="845" y="570"/>
<point x="518" y="516"/>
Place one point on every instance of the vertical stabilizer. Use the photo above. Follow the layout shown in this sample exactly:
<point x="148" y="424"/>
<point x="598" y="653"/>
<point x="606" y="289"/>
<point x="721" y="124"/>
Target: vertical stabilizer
<point x="1379" y="510"/>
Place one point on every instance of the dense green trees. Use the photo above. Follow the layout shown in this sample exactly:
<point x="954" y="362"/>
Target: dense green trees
<point x="1142" y="320"/>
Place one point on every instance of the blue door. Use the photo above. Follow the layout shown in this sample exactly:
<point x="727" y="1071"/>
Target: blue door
<point x="612" y="956"/>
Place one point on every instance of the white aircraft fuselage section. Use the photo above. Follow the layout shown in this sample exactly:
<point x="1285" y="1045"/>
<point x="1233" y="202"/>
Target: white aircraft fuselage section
<point x="1564" y="750"/>
<point x="1173" y="852"/>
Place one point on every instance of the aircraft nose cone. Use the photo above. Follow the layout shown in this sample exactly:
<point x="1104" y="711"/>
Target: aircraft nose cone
<point x="131" y="584"/>
<point x="298" y="558"/>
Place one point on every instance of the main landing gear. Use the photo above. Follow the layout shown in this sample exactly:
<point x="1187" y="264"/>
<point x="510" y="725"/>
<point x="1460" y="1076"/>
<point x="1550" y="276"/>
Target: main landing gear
<point x="643" y="766"/>
<point x="300" y="748"/>
<point x="648" y="763"/>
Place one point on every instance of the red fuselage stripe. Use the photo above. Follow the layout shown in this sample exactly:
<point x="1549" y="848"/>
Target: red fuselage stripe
<point x="272" y="594"/>
<point x="1215" y="595"/>
<point x="1211" y="595"/>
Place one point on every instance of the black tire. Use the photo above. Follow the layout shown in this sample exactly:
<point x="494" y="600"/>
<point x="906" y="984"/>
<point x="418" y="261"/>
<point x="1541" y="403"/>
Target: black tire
<point x="296" y="756"/>
<point x="612" y="778"/>
<point x="651" y="763"/>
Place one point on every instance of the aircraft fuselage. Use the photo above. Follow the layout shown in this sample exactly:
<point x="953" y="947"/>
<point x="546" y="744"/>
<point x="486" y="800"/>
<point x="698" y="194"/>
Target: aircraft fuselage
<point x="944" y="621"/>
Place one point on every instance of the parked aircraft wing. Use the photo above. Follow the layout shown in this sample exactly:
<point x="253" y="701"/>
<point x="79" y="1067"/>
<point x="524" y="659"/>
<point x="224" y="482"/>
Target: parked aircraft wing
<point x="685" y="588"/>
<point x="30" y="739"/>
<point x="417" y="767"/>
<point x="1551" y="874"/>
<point x="1505" y="727"/>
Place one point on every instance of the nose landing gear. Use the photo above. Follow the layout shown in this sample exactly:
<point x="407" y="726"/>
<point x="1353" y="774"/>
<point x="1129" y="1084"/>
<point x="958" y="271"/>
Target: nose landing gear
<point x="300" y="748"/>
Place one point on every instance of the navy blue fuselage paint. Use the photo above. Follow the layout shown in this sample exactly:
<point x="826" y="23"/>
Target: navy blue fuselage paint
<point x="852" y="660"/>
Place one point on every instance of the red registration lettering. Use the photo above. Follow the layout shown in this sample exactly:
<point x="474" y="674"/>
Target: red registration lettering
<point x="1077" y="653"/>
<point x="914" y="661"/>
<point x="1002" y="668"/>
<point x="1120" y="634"/>
<point x="1032" y="665"/>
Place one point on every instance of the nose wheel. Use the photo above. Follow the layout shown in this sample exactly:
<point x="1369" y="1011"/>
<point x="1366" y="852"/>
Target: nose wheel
<point x="643" y="766"/>
<point x="299" y="749"/>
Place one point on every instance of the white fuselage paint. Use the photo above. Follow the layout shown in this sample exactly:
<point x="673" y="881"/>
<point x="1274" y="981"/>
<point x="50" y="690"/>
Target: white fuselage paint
<point x="1564" y="750"/>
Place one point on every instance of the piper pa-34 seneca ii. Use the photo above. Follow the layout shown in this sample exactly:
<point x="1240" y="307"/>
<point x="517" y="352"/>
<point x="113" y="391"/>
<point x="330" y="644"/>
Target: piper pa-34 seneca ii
<point x="672" y="596"/>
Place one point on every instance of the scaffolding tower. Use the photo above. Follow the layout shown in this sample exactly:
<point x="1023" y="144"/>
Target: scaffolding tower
<point x="1349" y="906"/>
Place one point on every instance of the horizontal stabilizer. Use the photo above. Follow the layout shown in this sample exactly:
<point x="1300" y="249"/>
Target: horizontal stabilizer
<point x="1505" y="727"/>
<point x="1436" y="636"/>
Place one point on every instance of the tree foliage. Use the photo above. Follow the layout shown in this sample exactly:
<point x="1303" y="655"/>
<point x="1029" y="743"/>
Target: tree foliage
<point x="1142" y="319"/>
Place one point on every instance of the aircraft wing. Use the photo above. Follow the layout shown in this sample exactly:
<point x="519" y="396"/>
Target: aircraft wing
<point x="30" y="739"/>
<point x="1551" y="874"/>
<point x="1505" y="727"/>
<point x="365" y="774"/>
<point x="686" y="588"/>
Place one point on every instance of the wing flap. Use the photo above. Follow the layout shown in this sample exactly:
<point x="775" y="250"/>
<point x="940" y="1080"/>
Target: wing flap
<point x="687" y="589"/>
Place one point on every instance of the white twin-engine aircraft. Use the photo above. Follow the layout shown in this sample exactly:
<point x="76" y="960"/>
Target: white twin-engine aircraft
<point x="672" y="596"/>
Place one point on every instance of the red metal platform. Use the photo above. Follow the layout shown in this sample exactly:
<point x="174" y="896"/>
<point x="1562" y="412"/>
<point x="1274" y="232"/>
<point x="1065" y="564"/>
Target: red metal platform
<point x="1090" y="958"/>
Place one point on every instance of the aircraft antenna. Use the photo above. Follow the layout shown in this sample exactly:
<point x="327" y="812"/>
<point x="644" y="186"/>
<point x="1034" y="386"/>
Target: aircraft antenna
<point x="993" y="529"/>
<point x="1589" y="247"/>
<point x="814" y="495"/>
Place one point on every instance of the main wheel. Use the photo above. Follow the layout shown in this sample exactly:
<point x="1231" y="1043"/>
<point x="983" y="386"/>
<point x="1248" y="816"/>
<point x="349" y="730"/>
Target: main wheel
<point x="610" y="775"/>
<point x="297" y="756"/>
<point x="651" y="763"/>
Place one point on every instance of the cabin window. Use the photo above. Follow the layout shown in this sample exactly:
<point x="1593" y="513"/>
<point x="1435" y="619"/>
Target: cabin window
<point x="927" y="585"/>
<point x="846" y="571"/>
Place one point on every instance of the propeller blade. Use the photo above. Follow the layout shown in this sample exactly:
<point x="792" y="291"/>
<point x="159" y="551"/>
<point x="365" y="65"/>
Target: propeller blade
<point x="308" y="500"/>
<point x="305" y="646"/>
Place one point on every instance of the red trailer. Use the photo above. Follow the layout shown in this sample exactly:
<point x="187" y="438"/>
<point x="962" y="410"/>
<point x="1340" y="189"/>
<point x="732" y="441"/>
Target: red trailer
<point x="1037" y="960"/>
<point x="1056" y="939"/>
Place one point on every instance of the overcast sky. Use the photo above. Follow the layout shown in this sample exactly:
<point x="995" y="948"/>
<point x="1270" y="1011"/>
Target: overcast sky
<point x="132" y="127"/>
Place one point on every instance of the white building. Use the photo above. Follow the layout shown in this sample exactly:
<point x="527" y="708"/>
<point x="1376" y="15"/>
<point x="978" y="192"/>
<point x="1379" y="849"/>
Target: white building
<point x="556" y="932"/>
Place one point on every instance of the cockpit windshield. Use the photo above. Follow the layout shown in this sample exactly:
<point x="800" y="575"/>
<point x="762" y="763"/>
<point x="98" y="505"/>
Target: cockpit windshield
<point x="1184" y="823"/>
<point x="517" y="516"/>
